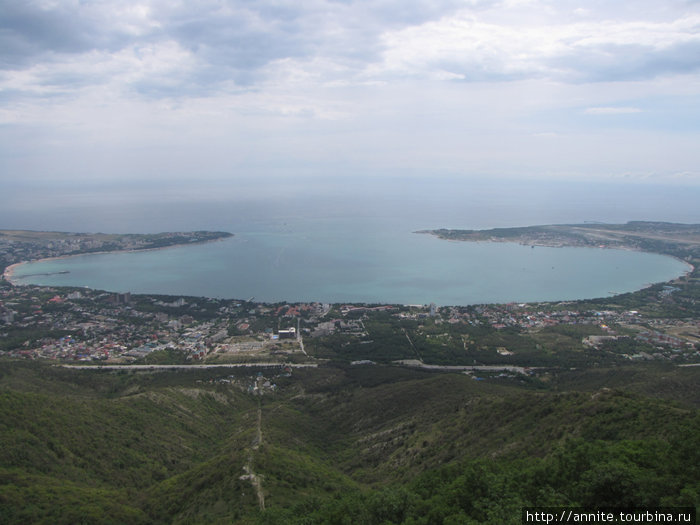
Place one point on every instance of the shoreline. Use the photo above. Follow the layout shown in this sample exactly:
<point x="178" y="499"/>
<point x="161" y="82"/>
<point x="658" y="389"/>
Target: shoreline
<point x="8" y="274"/>
<point x="540" y="244"/>
<point x="9" y="271"/>
<point x="690" y="266"/>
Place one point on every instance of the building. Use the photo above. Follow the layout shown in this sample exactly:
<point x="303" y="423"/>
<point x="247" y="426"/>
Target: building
<point x="290" y="333"/>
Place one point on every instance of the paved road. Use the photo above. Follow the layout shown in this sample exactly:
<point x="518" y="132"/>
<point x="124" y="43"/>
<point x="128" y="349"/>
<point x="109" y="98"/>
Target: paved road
<point x="188" y="367"/>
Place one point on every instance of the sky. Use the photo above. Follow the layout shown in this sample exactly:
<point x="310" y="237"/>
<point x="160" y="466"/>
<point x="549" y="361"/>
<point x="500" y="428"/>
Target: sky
<point x="200" y="95"/>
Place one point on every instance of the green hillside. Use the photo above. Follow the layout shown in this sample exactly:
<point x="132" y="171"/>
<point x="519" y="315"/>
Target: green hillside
<point x="340" y="444"/>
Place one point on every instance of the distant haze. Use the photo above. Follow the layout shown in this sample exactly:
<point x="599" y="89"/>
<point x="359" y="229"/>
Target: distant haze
<point x="404" y="204"/>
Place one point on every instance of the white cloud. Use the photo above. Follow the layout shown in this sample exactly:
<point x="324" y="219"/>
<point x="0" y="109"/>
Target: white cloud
<point x="478" y="49"/>
<point x="114" y="76"/>
<point x="612" y="111"/>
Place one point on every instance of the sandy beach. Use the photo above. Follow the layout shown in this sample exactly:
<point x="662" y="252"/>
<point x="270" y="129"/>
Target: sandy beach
<point x="9" y="271"/>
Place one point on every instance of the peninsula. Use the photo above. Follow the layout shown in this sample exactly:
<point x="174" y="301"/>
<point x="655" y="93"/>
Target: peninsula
<point x="678" y="240"/>
<point x="17" y="246"/>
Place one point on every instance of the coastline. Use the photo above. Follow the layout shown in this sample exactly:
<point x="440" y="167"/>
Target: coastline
<point x="25" y="280"/>
<point x="559" y="244"/>
<point x="8" y="274"/>
<point x="9" y="271"/>
<point x="690" y="266"/>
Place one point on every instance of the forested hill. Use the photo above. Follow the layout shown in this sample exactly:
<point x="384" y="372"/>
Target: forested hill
<point x="340" y="444"/>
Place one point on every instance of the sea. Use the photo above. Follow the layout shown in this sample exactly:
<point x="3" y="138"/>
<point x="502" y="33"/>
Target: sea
<point x="357" y="242"/>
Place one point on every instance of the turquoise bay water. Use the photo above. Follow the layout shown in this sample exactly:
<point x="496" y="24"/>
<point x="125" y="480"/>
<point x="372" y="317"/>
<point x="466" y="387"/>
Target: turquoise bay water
<point x="353" y="260"/>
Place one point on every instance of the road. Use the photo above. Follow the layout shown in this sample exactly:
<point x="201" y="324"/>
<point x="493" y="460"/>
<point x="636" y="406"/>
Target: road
<point x="188" y="367"/>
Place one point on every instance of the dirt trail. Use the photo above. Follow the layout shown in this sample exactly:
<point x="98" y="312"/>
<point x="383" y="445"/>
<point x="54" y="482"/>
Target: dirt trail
<point x="254" y="478"/>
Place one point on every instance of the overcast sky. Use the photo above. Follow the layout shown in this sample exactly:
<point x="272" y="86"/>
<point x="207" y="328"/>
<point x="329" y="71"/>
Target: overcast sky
<point x="165" y="91"/>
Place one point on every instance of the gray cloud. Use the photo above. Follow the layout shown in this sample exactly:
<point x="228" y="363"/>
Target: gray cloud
<point x="230" y="40"/>
<point x="630" y="62"/>
<point x="28" y="31"/>
<point x="213" y="45"/>
<point x="236" y="39"/>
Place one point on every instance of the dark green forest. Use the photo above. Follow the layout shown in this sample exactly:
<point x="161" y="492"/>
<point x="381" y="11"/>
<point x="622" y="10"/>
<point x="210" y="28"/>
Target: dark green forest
<point x="341" y="444"/>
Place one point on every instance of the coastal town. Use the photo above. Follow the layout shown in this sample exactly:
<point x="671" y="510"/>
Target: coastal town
<point x="77" y="325"/>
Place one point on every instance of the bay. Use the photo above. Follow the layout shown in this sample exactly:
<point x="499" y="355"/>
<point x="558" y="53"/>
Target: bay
<point x="360" y="259"/>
